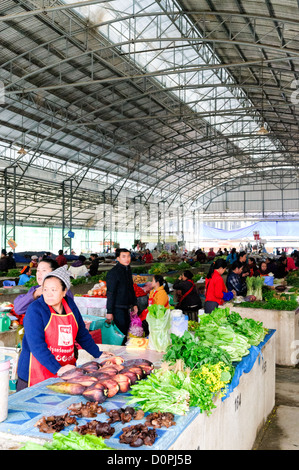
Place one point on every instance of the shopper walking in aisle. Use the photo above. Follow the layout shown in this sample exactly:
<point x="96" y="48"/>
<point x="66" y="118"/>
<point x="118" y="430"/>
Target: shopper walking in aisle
<point x="22" y="302"/>
<point x="216" y="291"/>
<point x="120" y="292"/>
<point x="52" y="325"/>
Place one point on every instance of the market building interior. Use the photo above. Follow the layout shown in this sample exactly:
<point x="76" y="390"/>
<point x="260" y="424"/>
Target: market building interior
<point x="167" y="124"/>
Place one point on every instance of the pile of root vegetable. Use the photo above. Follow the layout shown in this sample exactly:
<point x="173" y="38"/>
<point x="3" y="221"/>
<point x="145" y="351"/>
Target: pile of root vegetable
<point x="99" y="381"/>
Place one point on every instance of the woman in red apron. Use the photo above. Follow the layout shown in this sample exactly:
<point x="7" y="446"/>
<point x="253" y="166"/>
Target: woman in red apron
<point x="52" y="325"/>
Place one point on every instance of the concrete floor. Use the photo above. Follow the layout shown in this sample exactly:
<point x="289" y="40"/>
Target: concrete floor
<point x="281" y="432"/>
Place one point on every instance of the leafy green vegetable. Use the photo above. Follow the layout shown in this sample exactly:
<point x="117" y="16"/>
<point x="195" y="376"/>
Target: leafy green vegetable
<point x="31" y="282"/>
<point x="70" y="441"/>
<point x="158" y="268"/>
<point x="158" y="394"/>
<point x="156" y="311"/>
<point x="193" y="353"/>
<point x="273" y="303"/>
<point x="176" y="388"/>
<point x="252" y="329"/>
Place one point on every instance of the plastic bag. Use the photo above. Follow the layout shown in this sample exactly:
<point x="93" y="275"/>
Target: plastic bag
<point x="159" y="328"/>
<point x="269" y="280"/>
<point x="135" y="325"/>
<point x="179" y="323"/>
<point x="111" y="334"/>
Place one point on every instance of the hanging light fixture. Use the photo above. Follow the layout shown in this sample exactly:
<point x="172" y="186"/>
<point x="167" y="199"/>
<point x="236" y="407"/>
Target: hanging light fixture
<point x="262" y="130"/>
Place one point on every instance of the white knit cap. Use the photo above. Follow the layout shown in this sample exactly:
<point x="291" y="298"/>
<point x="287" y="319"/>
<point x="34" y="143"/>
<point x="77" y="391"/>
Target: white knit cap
<point x="62" y="273"/>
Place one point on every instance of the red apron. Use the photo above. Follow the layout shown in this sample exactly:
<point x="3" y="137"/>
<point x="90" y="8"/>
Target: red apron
<point x="60" y="335"/>
<point x="144" y="313"/>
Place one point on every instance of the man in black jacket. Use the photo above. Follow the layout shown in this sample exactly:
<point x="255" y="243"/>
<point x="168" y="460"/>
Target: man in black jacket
<point x="120" y="292"/>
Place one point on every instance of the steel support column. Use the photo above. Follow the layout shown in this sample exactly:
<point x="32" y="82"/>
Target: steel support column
<point x="9" y="214"/>
<point x="67" y="215"/>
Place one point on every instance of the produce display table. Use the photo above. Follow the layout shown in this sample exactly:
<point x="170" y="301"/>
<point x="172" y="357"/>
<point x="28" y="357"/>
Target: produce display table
<point x="286" y="324"/>
<point x="232" y="425"/>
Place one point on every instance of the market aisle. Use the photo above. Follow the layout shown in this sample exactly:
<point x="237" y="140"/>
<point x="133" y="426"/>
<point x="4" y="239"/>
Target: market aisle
<point x="282" y="429"/>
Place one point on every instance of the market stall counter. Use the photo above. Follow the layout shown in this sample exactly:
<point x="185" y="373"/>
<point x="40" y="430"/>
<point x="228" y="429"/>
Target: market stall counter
<point x="286" y="324"/>
<point x="233" y="424"/>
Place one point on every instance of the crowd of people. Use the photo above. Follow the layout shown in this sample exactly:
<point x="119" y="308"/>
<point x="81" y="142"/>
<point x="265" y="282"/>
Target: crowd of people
<point x="238" y="266"/>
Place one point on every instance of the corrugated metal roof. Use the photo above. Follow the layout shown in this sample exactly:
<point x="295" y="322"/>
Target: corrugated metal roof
<point x="163" y="100"/>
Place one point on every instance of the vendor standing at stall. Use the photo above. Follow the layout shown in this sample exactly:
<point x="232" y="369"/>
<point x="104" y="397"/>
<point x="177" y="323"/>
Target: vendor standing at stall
<point x="120" y="292"/>
<point x="52" y="325"/>
<point x="189" y="299"/>
<point x="234" y="280"/>
<point x="216" y="291"/>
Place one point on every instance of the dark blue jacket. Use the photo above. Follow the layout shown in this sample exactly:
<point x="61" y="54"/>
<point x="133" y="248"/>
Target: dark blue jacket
<point x="36" y="319"/>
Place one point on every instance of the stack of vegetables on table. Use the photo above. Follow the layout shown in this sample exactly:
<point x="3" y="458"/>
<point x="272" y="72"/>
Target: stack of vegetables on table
<point x="198" y="365"/>
<point x="254" y="287"/>
<point x="98" y="290"/>
<point x="273" y="300"/>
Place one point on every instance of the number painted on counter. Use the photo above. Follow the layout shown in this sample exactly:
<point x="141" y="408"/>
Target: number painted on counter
<point x="237" y="402"/>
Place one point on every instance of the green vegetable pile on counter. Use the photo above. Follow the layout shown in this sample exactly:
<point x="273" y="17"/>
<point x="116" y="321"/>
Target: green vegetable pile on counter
<point x="228" y="331"/>
<point x="31" y="282"/>
<point x="158" y="268"/>
<point x="293" y="278"/>
<point x="254" y="286"/>
<point x="252" y="329"/>
<point x="273" y="301"/>
<point x="193" y="352"/>
<point x="71" y="441"/>
<point x="174" y="388"/>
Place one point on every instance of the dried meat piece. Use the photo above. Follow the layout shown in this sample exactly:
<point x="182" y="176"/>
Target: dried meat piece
<point x="138" y="435"/>
<point x="159" y="419"/>
<point x="88" y="410"/>
<point x="97" y="428"/>
<point x="53" y="424"/>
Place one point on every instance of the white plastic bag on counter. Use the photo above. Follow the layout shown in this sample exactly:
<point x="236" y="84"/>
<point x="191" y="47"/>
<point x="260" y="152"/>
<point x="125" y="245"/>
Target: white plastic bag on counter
<point x="179" y="322"/>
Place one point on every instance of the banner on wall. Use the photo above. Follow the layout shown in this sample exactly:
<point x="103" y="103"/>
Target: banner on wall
<point x="265" y="229"/>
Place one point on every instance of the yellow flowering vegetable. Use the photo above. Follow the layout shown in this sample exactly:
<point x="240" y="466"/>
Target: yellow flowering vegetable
<point x="216" y="376"/>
